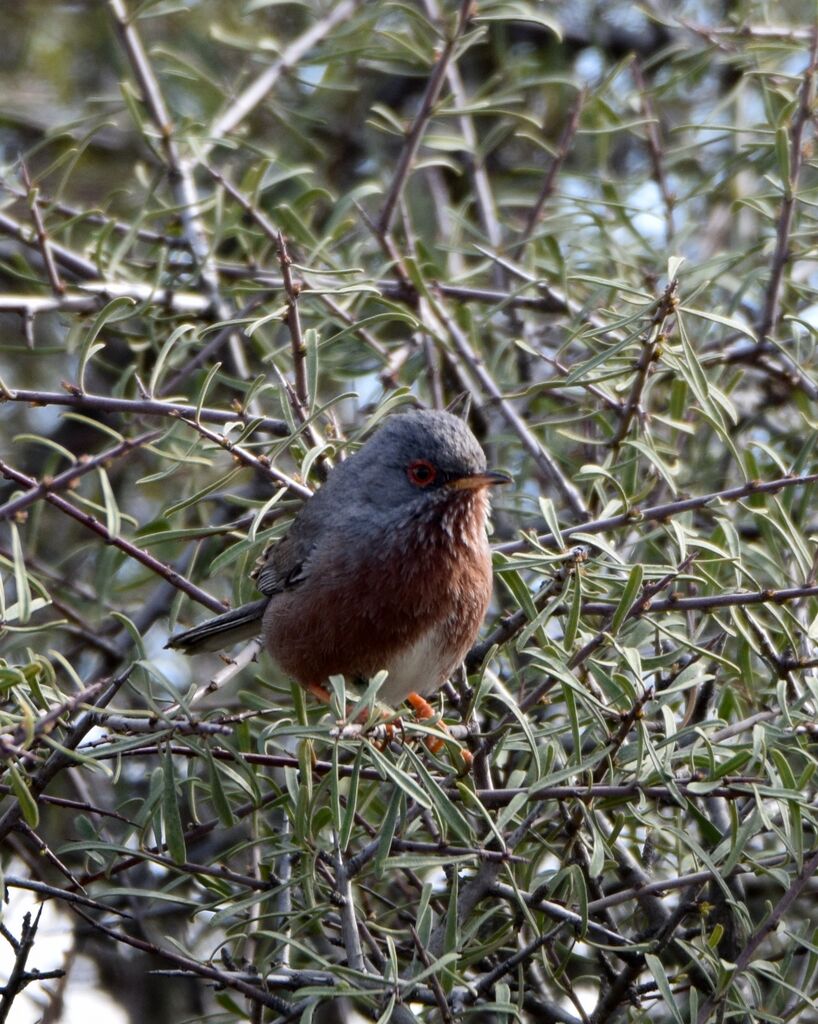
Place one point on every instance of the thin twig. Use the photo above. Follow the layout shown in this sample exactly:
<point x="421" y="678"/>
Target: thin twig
<point x="542" y="458"/>
<point x="483" y="197"/>
<point x="57" y="284"/>
<point x="28" y="732"/>
<point x="62" y="758"/>
<point x="180" y="172"/>
<point x="141" y="407"/>
<point x="19" y="977"/>
<point x="250" y="98"/>
<point x="299" y="349"/>
<point x="415" y="133"/>
<point x="804" y="878"/>
<point x="128" y="548"/>
<point x="657" y="155"/>
<point x="650" y="347"/>
<point x="549" y="182"/>
<point x="659" y="512"/>
<point x="707" y="602"/>
<point x="77" y="265"/>
<point x="261" y="464"/>
<point x="349" y="923"/>
<point x="68" y="477"/>
<point x="771" y="310"/>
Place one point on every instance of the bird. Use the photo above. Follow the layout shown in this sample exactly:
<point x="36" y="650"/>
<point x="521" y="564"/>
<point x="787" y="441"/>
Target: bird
<point x="386" y="566"/>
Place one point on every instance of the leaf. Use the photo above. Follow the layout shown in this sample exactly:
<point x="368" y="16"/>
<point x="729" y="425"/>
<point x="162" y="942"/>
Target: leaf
<point x="164" y="355"/>
<point x="23" y="605"/>
<point x="440" y="802"/>
<point x="115" y="310"/>
<point x="625" y="603"/>
<point x="112" y="517"/>
<point x="400" y="778"/>
<point x="657" y="970"/>
<point x="171" y="815"/>
<point x="28" y="805"/>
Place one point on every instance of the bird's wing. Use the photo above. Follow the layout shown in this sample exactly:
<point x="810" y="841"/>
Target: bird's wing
<point x="283" y="564"/>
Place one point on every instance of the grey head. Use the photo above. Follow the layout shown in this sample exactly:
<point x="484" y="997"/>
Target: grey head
<point x="421" y="467"/>
<point x="416" y="460"/>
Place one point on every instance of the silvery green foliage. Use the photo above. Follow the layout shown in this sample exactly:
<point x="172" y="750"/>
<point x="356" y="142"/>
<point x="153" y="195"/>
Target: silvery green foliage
<point x="233" y="239"/>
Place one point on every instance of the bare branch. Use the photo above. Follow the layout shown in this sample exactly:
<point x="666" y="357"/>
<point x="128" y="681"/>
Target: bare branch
<point x="138" y="554"/>
<point x="415" y="133"/>
<point x="140" y="407"/>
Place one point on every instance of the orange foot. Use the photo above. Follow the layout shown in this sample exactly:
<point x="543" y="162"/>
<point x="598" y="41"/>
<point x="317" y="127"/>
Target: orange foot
<point x="424" y="710"/>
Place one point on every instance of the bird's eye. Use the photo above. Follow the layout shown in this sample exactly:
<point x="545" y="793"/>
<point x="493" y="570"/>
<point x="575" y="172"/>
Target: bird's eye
<point x="421" y="473"/>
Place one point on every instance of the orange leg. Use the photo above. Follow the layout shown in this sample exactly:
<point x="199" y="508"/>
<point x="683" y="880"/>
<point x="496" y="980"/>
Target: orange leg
<point x="322" y="694"/>
<point x="318" y="691"/>
<point x="424" y="710"/>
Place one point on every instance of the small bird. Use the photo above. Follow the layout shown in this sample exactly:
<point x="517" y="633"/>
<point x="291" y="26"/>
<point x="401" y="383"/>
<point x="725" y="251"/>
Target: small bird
<point x="386" y="566"/>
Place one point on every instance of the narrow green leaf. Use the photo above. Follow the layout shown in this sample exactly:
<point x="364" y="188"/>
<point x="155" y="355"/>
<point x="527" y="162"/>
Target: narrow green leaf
<point x="657" y="969"/>
<point x="625" y="603"/>
<point x="224" y="811"/>
<point x="351" y="801"/>
<point x="28" y="805"/>
<point x="20" y="576"/>
<point x="171" y="816"/>
<point x="387" y="831"/>
<point x="164" y="355"/>
<point x="441" y="803"/>
<point x="400" y="778"/>
<point x="112" y="517"/>
<point x="311" y="343"/>
<point x="117" y="309"/>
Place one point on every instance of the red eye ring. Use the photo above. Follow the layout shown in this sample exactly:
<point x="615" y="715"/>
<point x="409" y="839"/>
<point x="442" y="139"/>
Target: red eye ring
<point x="421" y="473"/>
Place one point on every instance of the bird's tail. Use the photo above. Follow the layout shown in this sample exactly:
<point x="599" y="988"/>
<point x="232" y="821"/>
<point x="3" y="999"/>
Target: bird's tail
<point x="242" y="623"/>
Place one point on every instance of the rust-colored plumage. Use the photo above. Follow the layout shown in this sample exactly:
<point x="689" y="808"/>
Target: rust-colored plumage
<point x="387" y="566"/>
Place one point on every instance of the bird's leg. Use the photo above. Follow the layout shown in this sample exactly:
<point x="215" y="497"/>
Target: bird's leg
<point x="318" y="691"/>
<point x="322" y="694"/>
<point x="423" y="711"/>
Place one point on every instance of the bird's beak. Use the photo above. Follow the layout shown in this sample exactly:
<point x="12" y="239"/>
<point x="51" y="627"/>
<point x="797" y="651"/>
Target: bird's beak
<point x="478" y="480"/>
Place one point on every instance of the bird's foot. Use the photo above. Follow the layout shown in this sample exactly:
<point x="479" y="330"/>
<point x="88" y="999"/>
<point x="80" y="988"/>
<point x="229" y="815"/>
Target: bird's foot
<point x="423" y="711"/>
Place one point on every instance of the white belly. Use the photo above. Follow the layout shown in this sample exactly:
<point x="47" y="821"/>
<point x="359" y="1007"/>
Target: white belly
<point x="421" y="668"/>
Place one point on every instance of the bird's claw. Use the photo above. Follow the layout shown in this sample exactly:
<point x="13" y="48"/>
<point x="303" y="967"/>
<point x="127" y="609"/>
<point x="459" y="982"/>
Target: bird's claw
<point x="434" y="744"/>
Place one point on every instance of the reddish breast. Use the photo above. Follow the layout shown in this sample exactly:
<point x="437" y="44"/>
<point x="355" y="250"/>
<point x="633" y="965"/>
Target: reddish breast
<point x="426" y="591"/>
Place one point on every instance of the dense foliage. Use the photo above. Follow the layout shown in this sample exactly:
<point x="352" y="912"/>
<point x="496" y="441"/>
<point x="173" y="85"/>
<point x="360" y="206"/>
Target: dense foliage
<point x="234" y="237"/>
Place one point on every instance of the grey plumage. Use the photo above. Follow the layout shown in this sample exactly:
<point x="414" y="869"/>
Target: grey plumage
<point x="215" y="634"/>
<point x="370" y="509"/>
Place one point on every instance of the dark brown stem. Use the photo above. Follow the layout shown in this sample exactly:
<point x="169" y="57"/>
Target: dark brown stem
<point x="771" y="311"/>
<point x="430" y="97"/>
<point x="128" y="548"/>
<point x="57" y="284"/>
<point x="563" y="149"/>
<point x="139" y="407"/>
<point x="80" y="468"/>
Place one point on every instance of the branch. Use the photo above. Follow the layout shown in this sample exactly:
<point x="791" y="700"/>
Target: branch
<point x="299" y="349"/>
<point x="650" y="348"/>
<point x="62" y="757"/>
<point x="554" y="168"/>
<point x="130" y="549"/>
<point x="180" y="171"/>
<point x="262" y="464"/>
<point x="804" y="878"/>
<point x="19" y="977"/>
<point x="660" y="512"/>
<point x="543" y="458"/>
<point x="141" y="407"/>
<point x="84" y="465"/>
<point x="772" y="303"/>
<point x="484" y="199"/>
<point x="430" y="97"/>
<point x="256" y="91"/>
<point x="57" y="285"/>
